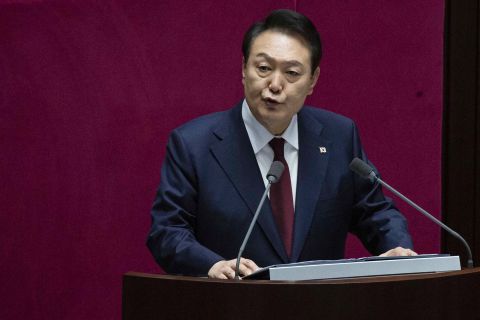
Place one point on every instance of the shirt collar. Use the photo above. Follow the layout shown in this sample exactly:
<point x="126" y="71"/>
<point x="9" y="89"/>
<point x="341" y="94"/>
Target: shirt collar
<point x="260" y="136"/>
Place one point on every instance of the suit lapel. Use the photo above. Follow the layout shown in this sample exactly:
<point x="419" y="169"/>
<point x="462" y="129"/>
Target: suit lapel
<point x="235" y="155"/>
<point x="312" y="166"/>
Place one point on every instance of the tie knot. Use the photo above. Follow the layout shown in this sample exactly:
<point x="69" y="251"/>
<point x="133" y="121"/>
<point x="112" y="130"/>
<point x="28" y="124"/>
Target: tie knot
<point x="277" y="146"/>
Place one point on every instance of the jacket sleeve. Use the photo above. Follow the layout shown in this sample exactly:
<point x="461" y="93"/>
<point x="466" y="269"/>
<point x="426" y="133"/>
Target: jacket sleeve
<point x="376" y="221"/>
<point x="171" y="239"/>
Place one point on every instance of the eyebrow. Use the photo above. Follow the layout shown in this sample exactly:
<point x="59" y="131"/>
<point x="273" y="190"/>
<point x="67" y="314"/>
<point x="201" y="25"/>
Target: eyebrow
<point x="288" y="62"/>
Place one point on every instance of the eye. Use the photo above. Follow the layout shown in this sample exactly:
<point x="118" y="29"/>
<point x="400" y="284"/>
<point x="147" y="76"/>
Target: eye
<point x="293" y="73"/>
<point x="263" y="68"/>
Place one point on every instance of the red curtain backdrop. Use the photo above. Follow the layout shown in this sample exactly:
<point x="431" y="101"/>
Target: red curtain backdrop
<point x="89" y="91"/>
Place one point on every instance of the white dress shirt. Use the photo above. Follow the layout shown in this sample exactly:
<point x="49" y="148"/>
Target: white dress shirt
<point x="260" y="137"/>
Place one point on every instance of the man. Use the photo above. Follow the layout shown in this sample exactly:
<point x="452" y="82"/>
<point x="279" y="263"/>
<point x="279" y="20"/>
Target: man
<point x="215" y="171"/>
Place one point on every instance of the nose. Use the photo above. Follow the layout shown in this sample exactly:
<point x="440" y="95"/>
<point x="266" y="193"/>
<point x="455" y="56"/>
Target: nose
<point x="276" y="83"/>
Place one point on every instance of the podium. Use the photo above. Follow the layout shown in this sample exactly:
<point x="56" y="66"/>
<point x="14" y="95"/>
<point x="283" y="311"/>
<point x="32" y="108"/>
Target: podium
<point x="448" y="295"/>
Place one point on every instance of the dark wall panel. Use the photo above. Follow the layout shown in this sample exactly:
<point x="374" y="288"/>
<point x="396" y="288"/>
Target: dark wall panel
<point x="461" y="169"/>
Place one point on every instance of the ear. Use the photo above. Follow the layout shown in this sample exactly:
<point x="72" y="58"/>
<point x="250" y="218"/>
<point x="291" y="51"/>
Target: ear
<point x="244" y="67"/>
<point x="314" y="79"/>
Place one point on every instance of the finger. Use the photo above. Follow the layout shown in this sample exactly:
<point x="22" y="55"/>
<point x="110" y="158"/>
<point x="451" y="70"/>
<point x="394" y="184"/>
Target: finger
<point x="217" y="274"/>
<point x="247" y="267"/>
<point x="244" y="270"/>
<point x="222" y="270"/>
<point x="229" y="273"/>
<point x="392" y="252"/>
<point x="402" y="253"/>
<point x="231" y="266"/>
<point x="399" y="251"/>
<point x="386" y="254"/>
<point x="405" y="252"/>
<point x="220" y="276"/>
<point x="250" y="264"/>
<point x="411" y="253"/>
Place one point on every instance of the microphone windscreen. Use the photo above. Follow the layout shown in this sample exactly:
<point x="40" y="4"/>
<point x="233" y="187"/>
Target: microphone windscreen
<point x="275" y="172"/>
<point x="360" y="167"/>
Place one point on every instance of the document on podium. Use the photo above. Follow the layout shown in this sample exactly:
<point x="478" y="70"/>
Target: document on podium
<point x="357" y="267"/>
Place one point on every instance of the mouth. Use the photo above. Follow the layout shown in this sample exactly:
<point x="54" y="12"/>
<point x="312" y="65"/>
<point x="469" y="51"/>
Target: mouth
<point x="270" y="102"/>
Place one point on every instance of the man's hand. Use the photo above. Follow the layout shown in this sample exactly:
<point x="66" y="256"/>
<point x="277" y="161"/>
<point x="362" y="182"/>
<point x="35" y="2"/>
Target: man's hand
<point x="226" y="269"/>
<point x="398" y="251"/>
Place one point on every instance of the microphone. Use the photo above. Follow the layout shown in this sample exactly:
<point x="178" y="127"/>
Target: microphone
<point x="273" y="175"/>
<point x="364" y="170"/>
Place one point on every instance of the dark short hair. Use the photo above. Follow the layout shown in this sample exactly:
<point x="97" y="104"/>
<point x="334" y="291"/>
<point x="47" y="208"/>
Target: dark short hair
<point x="291" y="23"/>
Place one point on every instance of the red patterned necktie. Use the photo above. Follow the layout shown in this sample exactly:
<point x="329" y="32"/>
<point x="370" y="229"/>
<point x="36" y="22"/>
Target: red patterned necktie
<point x="281" y="198"/>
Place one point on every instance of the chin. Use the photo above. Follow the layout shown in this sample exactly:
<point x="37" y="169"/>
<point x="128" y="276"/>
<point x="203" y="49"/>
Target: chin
<point x="272" y="114"/>
<point x="274" y="119"/>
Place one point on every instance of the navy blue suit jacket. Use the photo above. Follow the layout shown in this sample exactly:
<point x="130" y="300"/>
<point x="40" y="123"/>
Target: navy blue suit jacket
<point x="211" y="185"/>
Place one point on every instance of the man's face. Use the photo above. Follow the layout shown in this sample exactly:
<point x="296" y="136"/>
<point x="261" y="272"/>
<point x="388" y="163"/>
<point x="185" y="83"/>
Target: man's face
<point x="277" y="78"/>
